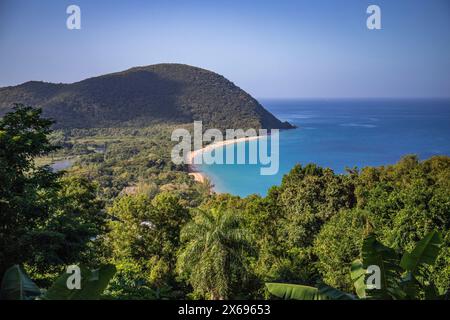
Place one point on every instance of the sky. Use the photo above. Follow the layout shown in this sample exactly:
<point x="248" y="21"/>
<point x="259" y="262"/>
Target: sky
<point x="271" y="49"/>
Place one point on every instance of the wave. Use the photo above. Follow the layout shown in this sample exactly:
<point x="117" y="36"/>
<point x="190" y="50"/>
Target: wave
<point x="360" y="125"/>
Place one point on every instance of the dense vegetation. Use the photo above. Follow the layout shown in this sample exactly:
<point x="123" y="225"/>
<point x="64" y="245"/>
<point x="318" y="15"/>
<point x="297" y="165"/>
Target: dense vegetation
<point x="380" y="273"/>
<point x="162" y="93"/>
<point x="124" y="203"/>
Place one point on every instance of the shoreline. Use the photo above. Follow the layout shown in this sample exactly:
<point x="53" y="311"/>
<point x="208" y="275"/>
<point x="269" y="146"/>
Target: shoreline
<point x="200" y="176"/>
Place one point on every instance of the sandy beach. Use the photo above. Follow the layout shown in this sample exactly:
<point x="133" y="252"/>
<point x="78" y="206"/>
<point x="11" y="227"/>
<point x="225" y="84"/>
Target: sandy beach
<point x="193" y="169"/>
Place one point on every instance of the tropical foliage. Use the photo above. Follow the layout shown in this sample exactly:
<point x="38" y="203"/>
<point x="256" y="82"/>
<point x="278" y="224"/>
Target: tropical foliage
<point x="16" y="285"/>
<point x="124" y="203"/>
<point x="380" y="274"/>
<point x="214" y="253"/>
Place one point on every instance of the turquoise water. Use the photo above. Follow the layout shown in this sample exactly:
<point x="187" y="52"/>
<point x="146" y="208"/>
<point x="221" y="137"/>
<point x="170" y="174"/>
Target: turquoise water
<point x="344" y="133"/>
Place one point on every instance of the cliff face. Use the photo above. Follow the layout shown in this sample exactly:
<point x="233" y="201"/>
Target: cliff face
<point x="170" y="93"/>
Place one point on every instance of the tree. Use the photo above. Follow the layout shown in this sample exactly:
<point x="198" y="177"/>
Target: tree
<point x="406" y="201"/>
<point x="144" y="236"/>
<point x="45" y="220"/>
<point x="337" y="245"/>
<point x="213" y="256"/>
<point x="405" y="278"/>
<point x="308" y="197"/>
<point x="23" y="136"/>
<point x="76" y="221"/>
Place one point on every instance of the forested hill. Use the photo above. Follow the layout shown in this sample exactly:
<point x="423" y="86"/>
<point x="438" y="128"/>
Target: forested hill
<point x="140" y="96"/>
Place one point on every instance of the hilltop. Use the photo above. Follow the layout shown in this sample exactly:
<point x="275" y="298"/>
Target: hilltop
<point x="140" y="96"/>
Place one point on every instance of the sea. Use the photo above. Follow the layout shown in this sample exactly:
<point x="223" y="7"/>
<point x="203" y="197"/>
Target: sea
<point x="341" y="134"/>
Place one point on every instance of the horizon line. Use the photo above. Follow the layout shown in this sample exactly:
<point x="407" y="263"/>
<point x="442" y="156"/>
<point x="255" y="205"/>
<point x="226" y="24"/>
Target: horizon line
<point x="356" y="98"/>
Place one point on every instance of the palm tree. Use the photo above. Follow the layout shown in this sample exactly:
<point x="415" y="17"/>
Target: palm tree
<point x="214" y="252"/>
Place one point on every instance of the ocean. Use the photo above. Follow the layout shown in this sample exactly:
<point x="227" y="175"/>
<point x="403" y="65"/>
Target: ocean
<point x="341" y="134"/>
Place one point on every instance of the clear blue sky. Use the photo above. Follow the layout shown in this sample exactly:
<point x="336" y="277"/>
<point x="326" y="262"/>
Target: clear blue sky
<point x="279" y="48"/>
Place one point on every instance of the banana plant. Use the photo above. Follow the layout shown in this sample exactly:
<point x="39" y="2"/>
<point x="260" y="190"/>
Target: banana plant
<point x="417" y="266"/>
<point x="373" y="253"/>
<point x="16" y="285"/>
<point x="93" y="283"/>
<point x="295" y="291"/>
<point x="405" y="278"/>
<point x="300" y="292"/>
<point x="358" y="276"/>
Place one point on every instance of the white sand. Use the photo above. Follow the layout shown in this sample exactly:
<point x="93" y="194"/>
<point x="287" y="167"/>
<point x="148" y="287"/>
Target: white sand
<point x="200" y="176"/>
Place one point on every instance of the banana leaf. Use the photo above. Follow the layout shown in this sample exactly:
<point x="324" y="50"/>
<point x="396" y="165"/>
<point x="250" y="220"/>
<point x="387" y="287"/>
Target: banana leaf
<point x="358" y="275"/>
<point x="375" y="253"/>
<point x="425" y="253"/>
<point x="333" y="293"/>
<point x="93" y="283"/>
<point x="295" y="292"/>
<point x="16" y="285"/>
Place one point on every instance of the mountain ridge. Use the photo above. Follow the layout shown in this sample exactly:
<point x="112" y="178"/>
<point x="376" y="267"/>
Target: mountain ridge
<point x="140" y="96"/>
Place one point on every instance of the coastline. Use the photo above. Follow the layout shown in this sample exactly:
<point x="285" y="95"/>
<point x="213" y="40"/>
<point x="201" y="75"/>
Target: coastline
<point x="197" y="174"/>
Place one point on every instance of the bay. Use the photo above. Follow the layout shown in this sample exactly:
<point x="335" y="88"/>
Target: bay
<point x="343" y="133"/>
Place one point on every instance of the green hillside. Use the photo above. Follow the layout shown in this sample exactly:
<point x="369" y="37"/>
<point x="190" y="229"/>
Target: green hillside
<point x="169" y="93"/>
